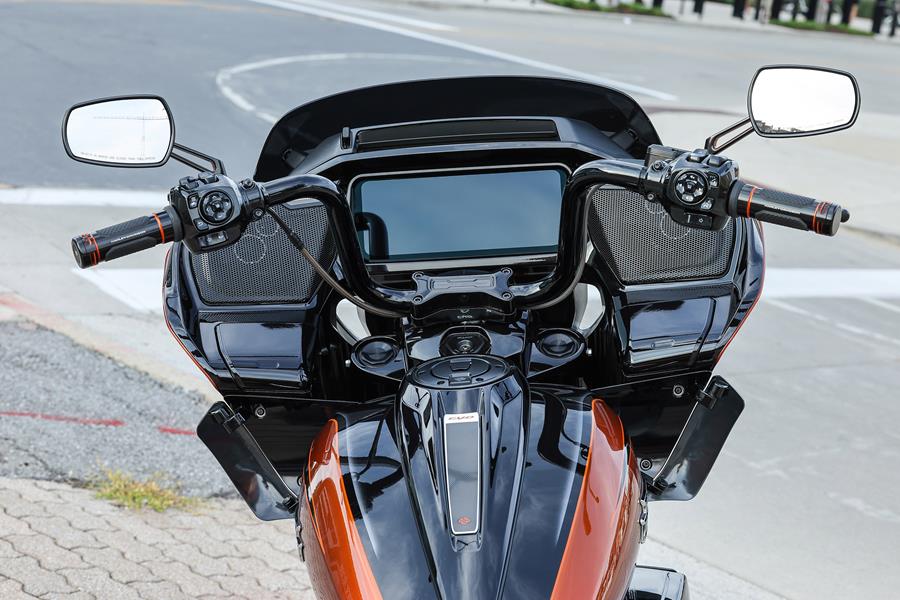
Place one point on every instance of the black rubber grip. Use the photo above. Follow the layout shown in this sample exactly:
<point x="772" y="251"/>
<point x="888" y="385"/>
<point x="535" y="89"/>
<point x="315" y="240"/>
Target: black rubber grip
<point x="787" y="210"/>
<point x="116" y="241"/>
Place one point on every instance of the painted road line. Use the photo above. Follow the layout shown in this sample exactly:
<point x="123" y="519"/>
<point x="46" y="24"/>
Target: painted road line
<point x="832" y="283"/>
<point x="433" y="39"/>
<point x="175" y="431"/>
<point x="34" y="196"/>
<point x="224" y="78"/>
<point x="139" y="288"/>
<point x="866" y="335"/>
<point x="882" y="304"/>
<point x="63" y="418"/>
<point x="89" y="421"/>
<point x="378" y="15"/>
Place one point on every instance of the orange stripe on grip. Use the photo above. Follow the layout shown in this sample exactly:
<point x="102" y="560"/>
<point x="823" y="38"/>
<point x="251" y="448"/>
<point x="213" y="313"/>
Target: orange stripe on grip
<point x="750" y="199"/>
<point x="95" y="253"/>
<point x="815" y="214"/>
<point x="162" y="233"/>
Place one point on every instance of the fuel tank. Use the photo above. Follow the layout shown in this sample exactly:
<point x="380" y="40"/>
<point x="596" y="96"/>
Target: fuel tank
<point x="470" y="484"/>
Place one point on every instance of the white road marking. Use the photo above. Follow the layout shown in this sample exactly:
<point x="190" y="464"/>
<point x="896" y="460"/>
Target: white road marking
<point x="427" y="37"/>
<point x="829" y="322"/>
<point x="377" y="15"/>
<point x="866" y="509"/>
<point x="224" y="77"/>
<point x="29" y="196"/>
<point x="882" y="304"/>
<point x="832" y="283"/>
<point x="138" y="288"/>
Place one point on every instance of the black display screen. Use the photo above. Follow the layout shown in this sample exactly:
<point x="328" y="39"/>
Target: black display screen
<point x="463" y="214"/>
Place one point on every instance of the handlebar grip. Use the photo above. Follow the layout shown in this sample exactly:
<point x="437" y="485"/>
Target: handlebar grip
<point x="787" y="210"/>
<point x="122" y="239"/>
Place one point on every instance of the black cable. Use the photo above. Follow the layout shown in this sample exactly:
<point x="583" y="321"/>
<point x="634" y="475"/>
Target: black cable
<point x="324" y="274"/>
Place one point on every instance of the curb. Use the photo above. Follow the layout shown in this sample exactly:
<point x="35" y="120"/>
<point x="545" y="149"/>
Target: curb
<point x="123" y="355"/>
<point x="561" y="10"/>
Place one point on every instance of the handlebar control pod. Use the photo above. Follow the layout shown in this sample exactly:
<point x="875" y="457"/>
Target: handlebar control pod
<point x="788" y="210"/>
<point x="116" y="241"/>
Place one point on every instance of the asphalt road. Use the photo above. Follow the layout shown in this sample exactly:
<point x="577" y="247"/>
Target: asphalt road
<point x="804" y="500"/>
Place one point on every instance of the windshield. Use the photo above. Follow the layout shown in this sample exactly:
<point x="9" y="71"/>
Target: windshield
<point x="437" y="216"/>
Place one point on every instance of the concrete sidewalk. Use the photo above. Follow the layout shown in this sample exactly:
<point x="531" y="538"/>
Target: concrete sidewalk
<point x="57" y="542"/>
<point x="715" y="14"/>
<point x="60" y="542"/>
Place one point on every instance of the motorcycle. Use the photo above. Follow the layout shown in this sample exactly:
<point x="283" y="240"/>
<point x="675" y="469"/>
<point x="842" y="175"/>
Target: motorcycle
<point x="464" y="329"/>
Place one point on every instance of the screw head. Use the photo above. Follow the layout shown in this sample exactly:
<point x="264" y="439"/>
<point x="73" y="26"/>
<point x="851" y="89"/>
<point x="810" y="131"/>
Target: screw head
<point x="258" y="213"/>
<point x="418" y="299"/>
<point x="247" y="184"/>
<point x="658" y="165"/>
<point x="260" y="411"/>
<point x="506" y="296"/>
<point x="646" y="464"/>
<point x="678" y="390"/>
<point x="651" y="196"/>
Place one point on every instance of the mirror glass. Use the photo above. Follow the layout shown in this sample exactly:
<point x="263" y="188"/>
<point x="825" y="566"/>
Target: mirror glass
<point x="796" y="101"/>
<point x="121" y="131"/>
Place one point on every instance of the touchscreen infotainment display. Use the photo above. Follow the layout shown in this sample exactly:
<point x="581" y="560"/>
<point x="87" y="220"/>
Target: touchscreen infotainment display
<point x="459" y="214"/>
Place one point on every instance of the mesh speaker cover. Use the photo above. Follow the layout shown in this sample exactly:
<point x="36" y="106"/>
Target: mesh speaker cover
<point x="263" y="267"/>
<point x="642" y="244"/>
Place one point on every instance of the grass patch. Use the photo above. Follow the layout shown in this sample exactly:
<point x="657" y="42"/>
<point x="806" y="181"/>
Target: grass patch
<point x="124" y="490"/>
<point x="627" y="8"/>
<point x="813" y="26"/>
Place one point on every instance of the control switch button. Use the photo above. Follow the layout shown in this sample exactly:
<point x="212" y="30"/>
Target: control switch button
<point x="699" y="220"/>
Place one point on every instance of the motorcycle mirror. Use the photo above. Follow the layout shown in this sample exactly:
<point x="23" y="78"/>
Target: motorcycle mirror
<point x="796" y="101"/>
<point x="126" y="131"/>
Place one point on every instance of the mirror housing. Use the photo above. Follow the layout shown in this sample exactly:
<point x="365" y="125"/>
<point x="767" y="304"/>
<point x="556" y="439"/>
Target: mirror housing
<point x="122" y="131"/>
<point x="797" y="101"/>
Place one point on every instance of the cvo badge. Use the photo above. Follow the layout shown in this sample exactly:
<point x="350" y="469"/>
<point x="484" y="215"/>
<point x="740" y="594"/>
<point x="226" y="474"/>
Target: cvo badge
<point x="462" y="460"/>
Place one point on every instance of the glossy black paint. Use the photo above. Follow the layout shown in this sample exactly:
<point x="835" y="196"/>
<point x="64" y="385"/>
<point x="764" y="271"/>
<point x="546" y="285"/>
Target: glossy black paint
<point x="713" y="415"/>
<point x="300" y="135"/>
<point x="251" y="472"/>
<point x="534" y="457"/>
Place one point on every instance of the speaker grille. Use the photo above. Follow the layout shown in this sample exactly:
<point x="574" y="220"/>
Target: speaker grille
<point x="642" y="243"/>
<point x="263" y="267"/>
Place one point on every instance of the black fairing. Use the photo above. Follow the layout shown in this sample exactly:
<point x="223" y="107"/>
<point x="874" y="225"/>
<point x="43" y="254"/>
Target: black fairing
<point x="533" y="458"/>
<point x="300" y="131"/>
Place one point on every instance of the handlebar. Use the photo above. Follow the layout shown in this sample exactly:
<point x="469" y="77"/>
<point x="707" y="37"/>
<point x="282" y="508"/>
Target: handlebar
<point x="787" y="210"/>
<point x="211" y="210"/>
<point x="553" y="288"/>
<point x="122" y="239"/>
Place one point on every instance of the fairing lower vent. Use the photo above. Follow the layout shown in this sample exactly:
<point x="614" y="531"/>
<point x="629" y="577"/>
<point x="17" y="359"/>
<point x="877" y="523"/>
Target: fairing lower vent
<point x="642" y="244"/>
<point x="263" y="267"/>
